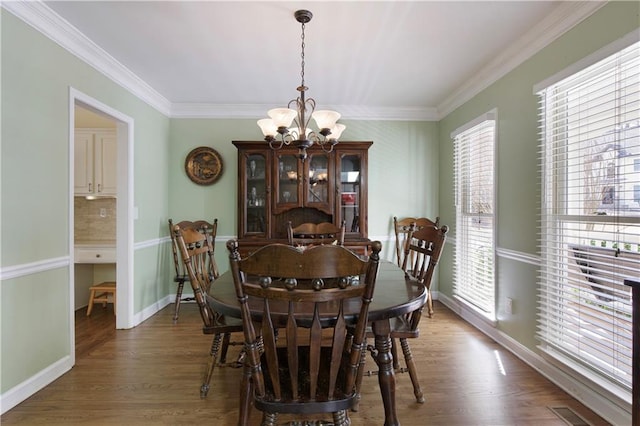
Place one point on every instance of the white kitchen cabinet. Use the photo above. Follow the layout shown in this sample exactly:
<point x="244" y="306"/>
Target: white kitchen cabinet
<point x="95" y="162"/>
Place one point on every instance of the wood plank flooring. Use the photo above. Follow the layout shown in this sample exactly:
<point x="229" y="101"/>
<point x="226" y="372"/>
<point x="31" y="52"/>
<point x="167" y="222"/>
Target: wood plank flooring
<point x="151" y="375"/>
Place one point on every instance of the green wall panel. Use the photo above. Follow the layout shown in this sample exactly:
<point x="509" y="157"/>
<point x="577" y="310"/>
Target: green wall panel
<point x="35" y="324"/>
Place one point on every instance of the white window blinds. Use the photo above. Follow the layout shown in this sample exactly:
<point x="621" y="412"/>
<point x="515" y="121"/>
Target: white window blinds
<point x="590" y="234"/>
<point x="474" y="191"/>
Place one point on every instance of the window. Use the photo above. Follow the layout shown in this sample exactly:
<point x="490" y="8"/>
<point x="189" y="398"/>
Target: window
<point x="590" y="229"/>
<point x="474" y="153"/>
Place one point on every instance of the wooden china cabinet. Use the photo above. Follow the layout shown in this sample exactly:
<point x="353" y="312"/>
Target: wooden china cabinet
<point x="275" y="186"/>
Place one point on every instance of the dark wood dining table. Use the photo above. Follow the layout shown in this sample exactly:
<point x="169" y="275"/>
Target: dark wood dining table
<point x="393" y="296"/>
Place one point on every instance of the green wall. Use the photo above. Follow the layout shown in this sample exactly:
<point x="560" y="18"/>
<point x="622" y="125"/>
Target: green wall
<point x="35" y="308"/>
<point x="518" y="178"/>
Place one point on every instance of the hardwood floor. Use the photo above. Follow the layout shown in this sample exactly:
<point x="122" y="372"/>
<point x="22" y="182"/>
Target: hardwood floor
<point x="151" y="375"/>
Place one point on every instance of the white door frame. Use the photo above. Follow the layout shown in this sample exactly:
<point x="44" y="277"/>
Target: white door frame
<point x="124" y="208"/>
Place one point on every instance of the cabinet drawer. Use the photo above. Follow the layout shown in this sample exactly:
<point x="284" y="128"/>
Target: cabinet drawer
<point x="95" y="255"/>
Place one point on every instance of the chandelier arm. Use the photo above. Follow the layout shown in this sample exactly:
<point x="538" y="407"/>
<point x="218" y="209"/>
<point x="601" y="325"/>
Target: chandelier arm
<point x="273" y="146"/>
<point x="311" y="103"/>
<point x="299" y="118"/>
<point x="323" y="145"/>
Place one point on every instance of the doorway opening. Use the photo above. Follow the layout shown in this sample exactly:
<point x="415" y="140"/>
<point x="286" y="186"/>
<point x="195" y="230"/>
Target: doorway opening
<point x="95" y="219"/>
<point x="116" y="203"/>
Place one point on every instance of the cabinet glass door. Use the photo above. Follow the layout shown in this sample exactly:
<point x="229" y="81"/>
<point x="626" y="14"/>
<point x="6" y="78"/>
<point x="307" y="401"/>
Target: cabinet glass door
<point x="256" y="193"/>
<point x="287" y="185"/>
<point x="317" y="177"/>
<point x="350" y="191"/>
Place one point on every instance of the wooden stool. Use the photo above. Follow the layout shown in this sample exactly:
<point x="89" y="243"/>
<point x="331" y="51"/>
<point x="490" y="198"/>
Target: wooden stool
<point x="100" y="293"/>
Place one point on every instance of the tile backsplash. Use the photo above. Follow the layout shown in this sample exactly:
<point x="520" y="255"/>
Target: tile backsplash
<point x="90" y="227"/>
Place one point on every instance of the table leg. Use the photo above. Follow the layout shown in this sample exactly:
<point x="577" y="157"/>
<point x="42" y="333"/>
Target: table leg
<point x="386" y="375"/>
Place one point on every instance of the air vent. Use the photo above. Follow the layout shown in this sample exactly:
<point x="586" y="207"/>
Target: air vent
<point x="569" y="416"/>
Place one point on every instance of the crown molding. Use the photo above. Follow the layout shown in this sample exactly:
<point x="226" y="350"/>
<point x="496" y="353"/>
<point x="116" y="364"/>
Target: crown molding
<point x="567" y="15"/>
<point x="256" y="111"/>
<point x="45" y="20"/>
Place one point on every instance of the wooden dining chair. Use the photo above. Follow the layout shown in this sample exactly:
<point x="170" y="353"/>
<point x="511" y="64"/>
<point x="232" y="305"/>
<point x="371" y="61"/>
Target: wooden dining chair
<point x="196" y="248"/>
<point x="181" y="275"/>
<point x="311" y="367"/>
<point x="421" y="255"/>
<point x="316" y="234"/>
<point x="402" y="227"/>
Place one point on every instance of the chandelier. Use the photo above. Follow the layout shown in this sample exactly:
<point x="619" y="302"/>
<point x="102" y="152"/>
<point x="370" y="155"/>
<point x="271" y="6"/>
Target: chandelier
<point x="290" y="126"/>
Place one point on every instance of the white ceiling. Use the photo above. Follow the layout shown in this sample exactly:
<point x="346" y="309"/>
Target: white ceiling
<point x="363" y="58"/>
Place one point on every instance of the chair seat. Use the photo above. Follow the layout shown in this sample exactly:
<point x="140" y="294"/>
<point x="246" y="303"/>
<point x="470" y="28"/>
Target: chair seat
<point x="223" y="325"/>
<point x="181" y="278"/>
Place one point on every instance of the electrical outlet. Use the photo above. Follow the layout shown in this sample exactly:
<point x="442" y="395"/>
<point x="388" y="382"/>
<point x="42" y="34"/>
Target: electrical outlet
<point x="509" y="306"/>
<point x="103" y="212"/>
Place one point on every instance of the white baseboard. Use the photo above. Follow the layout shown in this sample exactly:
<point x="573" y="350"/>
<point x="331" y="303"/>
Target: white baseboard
<point x="153" y="309"/>
<point x="24" y="390"/>
<point x="614" y="412"/>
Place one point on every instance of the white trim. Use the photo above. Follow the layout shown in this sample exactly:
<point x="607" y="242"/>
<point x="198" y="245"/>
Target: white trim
<point x="17" y="271"/>
<point x="518" y="256"/>
<point x="349" y="112"/>
<point x="589" y="60"/>
<point x="154" y="308"/>
<point x="615" y="393"/>
<point x="567" y="15"/>
<point x="579" y="388"/>
<point x="33" y="384"/>
<point x="44" y="19"/>
<point x="152" y="242"/>
<point x="492" y="114"/>
<point x="470" y="313"/>
<point x="71" y="221"/>
<point x="124" y="207"/>
<point x="24" y="269"/>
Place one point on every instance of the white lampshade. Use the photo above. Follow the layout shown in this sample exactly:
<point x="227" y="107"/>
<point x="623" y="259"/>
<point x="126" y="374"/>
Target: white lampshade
<point x="336" y="131"/>
<point x="268" y="127"/>
<point x="325" y="119"/>
<point x="282" y="117"/>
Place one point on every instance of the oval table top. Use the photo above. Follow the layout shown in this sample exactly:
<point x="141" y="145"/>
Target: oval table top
<point x="393" y="296"/>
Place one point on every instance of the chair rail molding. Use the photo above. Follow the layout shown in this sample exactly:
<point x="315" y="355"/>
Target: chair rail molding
<point x="17" y="271"/>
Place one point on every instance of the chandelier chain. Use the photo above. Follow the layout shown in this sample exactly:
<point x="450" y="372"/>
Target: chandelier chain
<point x="302" y="56"/>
